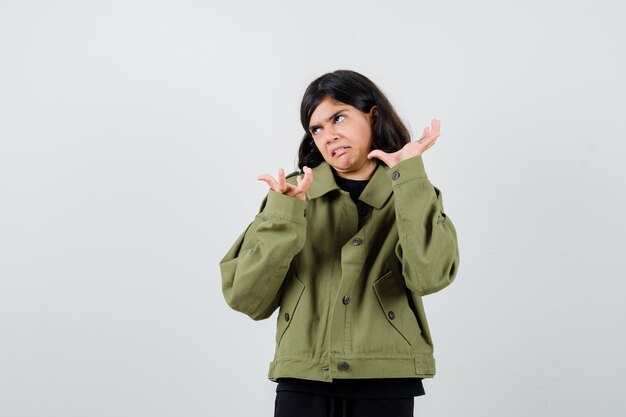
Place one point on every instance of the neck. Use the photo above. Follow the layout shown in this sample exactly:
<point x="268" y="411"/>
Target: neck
<point x="365" y="173"/>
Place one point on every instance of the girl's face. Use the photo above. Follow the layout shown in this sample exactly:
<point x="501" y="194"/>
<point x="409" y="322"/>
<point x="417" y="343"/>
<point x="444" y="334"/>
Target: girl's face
<point x="343" y="135"/>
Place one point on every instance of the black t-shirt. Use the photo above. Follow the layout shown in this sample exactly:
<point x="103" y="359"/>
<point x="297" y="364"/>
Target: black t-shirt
<point x="354" y="187"/>
<point x="355" y="388"/>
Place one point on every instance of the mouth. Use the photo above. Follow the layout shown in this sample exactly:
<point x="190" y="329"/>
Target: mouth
<point x="340" y="151"/>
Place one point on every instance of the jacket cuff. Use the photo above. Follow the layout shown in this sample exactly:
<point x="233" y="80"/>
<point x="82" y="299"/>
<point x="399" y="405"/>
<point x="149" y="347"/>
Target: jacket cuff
<point x="285" y="207"/>
<point x="409" y="169"/>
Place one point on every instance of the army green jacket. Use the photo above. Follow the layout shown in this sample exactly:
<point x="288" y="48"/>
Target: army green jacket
<point x="348" y="278"/>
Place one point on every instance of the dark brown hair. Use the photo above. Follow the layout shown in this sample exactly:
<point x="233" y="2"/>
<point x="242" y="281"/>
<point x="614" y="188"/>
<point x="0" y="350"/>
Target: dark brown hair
<point x="388" y="133"/>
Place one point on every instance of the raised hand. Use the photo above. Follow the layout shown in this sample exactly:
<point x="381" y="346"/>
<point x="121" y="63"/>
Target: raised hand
<point x="283" y="187"/>
<point x="411" y="149"/>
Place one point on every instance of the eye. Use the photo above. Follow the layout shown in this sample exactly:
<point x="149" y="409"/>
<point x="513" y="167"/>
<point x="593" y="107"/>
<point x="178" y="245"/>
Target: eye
<point x="315" y="130"/>
<point x="339" y="118"/>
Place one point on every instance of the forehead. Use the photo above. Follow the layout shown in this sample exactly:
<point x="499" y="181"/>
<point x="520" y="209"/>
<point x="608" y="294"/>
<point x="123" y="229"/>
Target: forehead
<point x="327" y="107"/>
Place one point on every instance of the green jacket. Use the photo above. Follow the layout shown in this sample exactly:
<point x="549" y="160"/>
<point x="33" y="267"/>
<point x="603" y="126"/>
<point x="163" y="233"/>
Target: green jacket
<point x="348" y="278"/>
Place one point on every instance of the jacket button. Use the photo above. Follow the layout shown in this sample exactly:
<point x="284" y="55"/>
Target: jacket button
<point x="286" y="316"/>
<point x="391" y="315"/>
<point x="304" y="212"/>
<point x="344" y="366"/>
<point x="346" y="300"/>
<point x="356" y="241"/>
<point x="395" y="175"/>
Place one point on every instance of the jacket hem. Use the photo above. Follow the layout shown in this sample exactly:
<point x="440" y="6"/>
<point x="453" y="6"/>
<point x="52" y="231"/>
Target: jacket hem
<point x="353" y="367"/>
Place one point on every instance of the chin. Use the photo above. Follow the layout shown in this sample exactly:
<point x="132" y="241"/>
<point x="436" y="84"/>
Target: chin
<point x="342" y="168"/>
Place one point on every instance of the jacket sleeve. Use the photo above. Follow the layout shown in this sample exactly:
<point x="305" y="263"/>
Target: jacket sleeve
<point x="256" y="265"/>
<point x="427" y="246"/>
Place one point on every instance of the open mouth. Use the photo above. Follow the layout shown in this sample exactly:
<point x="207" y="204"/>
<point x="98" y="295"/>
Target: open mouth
<point x="340" y="151"/>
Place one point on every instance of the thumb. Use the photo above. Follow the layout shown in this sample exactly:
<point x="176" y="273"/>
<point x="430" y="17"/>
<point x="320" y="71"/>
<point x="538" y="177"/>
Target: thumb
<point x="382" y="155"/>
<point x="377" y="153"/>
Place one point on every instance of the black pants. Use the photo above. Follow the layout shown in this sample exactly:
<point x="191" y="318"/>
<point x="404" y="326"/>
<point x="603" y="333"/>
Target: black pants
<point x="302" y="404"/>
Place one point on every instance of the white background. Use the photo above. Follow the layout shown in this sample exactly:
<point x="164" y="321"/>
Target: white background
<point x="131" y="135"/>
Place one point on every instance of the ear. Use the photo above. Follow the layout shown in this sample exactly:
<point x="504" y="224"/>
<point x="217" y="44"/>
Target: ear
<point x="374" y="114"/>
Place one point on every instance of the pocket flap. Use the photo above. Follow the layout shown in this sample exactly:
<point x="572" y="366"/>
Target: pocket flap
<point x="395" y="306"/>
<point x="291" y="296"/>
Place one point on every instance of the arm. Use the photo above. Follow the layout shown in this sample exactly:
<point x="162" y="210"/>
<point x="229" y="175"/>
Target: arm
<point x="255" y="267"/>
<point x="427" y="247"/>
<point x="427" y="244"/>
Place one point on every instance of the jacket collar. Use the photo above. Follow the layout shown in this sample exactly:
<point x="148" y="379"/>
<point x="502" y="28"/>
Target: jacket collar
<point x="376" y="193"/>
<point x="323" y="181"/>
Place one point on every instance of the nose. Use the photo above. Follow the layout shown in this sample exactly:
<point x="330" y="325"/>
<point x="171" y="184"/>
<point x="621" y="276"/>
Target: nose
<point x="330" y="134"/>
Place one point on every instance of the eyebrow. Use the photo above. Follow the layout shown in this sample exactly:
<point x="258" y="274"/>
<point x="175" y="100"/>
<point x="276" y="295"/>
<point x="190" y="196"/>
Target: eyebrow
<point x="329" y="118"/>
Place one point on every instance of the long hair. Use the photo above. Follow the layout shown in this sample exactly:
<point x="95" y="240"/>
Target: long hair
<point x="389" y="133"/>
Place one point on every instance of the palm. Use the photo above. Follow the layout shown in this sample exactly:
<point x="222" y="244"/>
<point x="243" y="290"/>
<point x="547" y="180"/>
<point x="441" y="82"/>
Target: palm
<point x="411" y="149"/>
<point x="282" y="186"/>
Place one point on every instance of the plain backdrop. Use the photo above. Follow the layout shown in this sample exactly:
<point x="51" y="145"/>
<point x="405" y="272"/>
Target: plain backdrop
<point x="131" y="135"/>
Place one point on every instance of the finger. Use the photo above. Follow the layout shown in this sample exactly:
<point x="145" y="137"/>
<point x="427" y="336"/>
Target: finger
<point x="424" y="134"/>
<point x="308" y="173"/>
<point x="282" y="183"/>
<point x="435" y="131"/>
<point x="265" y="177"/>
<point x="307" y="180"/>
<point x="429" y="140"/>
<point x="436" y="125"/>
<point x="269" y="180"/>
<point x="300" y="184"/>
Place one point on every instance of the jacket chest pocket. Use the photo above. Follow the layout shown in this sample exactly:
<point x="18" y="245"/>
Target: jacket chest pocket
<point x="291" y="296"/>
<point x="393" y="301"/>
